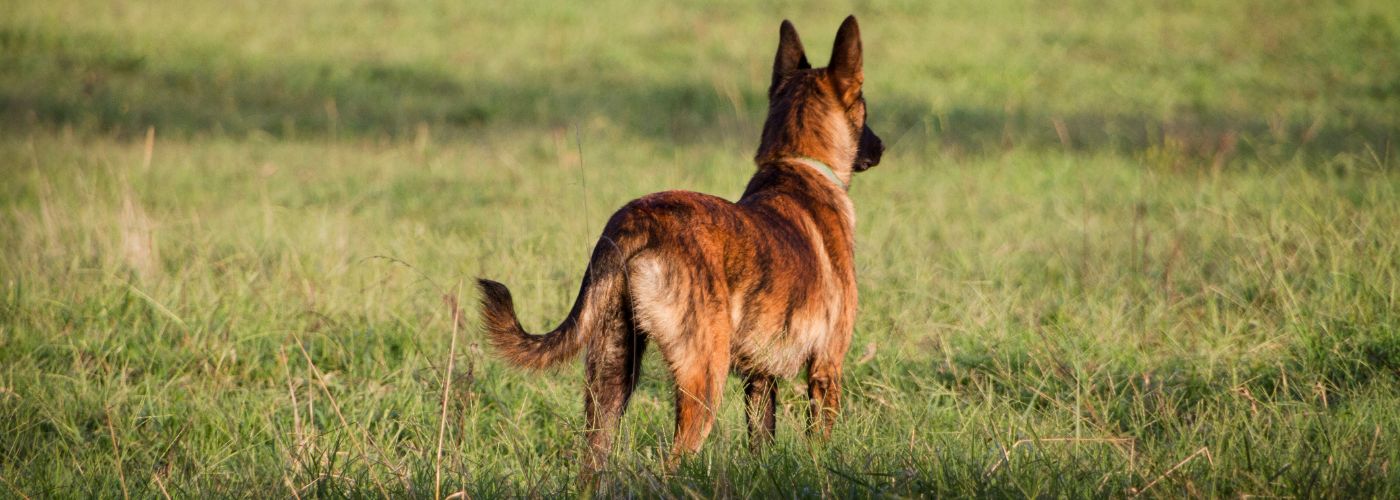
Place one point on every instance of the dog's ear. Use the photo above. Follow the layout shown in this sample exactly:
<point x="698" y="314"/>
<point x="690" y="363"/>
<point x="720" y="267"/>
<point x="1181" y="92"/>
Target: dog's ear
<point x="845" y="67"/>
<point x="791" y="57"/>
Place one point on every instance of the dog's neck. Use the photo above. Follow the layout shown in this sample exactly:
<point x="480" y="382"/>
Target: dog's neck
<point x="816" y="178"/>
<point x="835" y="169"/>
<point x="824" y="169"/>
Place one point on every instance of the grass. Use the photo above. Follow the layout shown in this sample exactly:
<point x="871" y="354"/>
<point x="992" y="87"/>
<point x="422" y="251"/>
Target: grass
<point x="1143" y="248"/>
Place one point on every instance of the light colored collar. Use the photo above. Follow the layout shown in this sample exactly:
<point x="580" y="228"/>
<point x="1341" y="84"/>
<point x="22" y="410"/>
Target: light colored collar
<point x="823" y="168"/>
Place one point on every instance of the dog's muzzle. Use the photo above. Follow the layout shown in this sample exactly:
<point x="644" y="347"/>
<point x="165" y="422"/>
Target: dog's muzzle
<point x="868" y="150"/>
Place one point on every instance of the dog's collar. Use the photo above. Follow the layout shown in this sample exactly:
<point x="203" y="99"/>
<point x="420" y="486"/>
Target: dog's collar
<point x="824" y="169"/>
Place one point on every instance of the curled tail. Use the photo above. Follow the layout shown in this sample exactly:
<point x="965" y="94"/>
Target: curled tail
<point x="600" y="299"/>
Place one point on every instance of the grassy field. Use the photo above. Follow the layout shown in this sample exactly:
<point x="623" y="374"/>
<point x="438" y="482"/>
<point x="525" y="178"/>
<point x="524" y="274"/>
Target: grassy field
<point x="1134" y="248"/>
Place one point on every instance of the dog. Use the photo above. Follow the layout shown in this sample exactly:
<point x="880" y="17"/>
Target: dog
<point x="763" y="287"/>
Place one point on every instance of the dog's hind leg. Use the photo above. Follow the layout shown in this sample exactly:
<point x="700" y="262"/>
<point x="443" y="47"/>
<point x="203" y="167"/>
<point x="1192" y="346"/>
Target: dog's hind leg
<point x="681" y="312"/>
<point x="614" y="363"/>
<point x="700" y="363"/>
<point x="699" y="387"/>
<point x="824" y="389"/>
<point x="760" y="404"/>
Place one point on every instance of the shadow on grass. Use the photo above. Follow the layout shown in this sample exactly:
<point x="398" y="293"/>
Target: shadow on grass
<point x="93" y="83"/>
<point x="96" y="84"/>
<point x="1186" y="138"/>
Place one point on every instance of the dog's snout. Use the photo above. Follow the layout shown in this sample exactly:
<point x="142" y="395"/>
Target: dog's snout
<point x="870" y="149"/>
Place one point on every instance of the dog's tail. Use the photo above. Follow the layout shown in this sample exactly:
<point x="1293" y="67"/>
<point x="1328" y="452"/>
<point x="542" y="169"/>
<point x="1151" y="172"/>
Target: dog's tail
<point x="600" y="300"/>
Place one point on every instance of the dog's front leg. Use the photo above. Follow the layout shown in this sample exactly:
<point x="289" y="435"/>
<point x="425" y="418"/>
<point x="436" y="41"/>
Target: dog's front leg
<point x="760" y="404"/>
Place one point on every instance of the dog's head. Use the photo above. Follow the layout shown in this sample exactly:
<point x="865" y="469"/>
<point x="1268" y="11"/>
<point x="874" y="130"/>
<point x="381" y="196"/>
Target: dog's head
<point x="826" y="102"/>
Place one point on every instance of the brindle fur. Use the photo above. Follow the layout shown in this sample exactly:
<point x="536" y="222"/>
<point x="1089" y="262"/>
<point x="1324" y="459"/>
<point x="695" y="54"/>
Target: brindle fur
<point x="763" y="287"/>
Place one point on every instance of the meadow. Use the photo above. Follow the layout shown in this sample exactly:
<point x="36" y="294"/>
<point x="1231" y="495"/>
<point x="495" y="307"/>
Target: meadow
<point x="1129" y="249"/>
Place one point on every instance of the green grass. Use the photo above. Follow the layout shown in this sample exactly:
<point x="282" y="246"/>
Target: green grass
<point x="1138" y="247"/>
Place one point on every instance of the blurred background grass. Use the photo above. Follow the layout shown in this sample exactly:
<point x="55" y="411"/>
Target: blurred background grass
<point x="1134" y="247"/>
<point x="1282" y="75"/>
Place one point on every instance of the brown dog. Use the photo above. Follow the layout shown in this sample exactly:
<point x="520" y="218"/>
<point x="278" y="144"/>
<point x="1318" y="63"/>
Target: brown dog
<point x="763" y="287"/>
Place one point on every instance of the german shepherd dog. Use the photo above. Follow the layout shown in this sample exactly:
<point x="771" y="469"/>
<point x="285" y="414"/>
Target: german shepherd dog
<point x="763" y="287"/>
